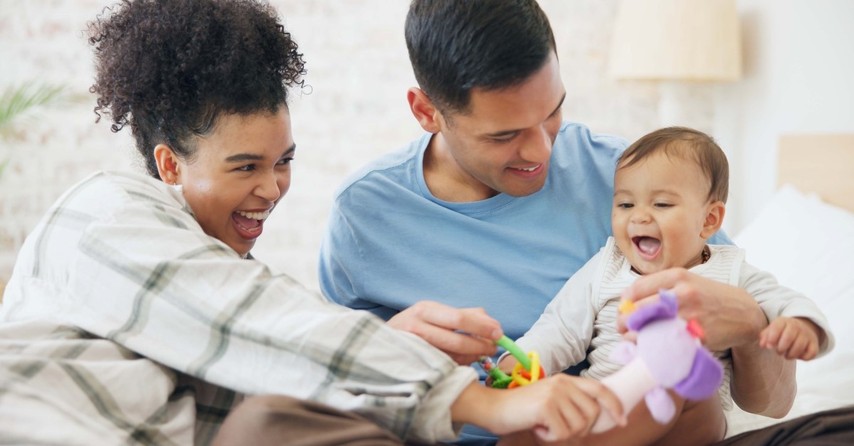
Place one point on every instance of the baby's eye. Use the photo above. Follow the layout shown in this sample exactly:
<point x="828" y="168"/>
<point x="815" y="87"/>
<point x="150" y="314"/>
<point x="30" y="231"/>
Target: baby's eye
<point x="625" y="205"/>
<point x="663" y="205"/>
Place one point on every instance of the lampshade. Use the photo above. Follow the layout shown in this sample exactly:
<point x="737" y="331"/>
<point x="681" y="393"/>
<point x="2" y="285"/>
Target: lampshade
<point x="694" y="40"/>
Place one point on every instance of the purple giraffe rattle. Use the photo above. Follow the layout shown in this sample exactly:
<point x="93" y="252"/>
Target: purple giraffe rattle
<point x="668" y="355"/>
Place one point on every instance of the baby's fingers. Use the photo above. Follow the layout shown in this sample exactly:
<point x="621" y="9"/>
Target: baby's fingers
<point x="770" y="335"/>
<point x="804" y="346"/>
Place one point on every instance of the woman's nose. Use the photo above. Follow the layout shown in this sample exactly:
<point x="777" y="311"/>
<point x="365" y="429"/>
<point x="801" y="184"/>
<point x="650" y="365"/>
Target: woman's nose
<point x="270" y="188"/>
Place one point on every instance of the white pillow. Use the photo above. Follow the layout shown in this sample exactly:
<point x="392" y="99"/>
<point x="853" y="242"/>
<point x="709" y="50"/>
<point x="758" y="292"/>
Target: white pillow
<point x="809" y="246"/>
<point x="806" y="243"/>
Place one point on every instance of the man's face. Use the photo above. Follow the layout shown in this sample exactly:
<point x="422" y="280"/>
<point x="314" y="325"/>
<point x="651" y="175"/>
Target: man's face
<point x="502" y="144"/>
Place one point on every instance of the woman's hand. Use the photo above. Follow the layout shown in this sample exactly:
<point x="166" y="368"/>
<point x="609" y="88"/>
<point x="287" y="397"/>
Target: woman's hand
<point x="556" y="408"/>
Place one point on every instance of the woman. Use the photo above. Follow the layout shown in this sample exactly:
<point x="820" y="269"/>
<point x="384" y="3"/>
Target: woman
<point x="135" y="312"/>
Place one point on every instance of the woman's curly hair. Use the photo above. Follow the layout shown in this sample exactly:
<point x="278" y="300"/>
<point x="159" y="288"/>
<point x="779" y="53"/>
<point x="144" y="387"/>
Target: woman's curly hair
<point x="170" y="68"/>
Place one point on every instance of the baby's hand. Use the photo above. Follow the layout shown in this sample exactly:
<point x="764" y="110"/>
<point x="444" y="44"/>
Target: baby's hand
<point x="791" y="337"/>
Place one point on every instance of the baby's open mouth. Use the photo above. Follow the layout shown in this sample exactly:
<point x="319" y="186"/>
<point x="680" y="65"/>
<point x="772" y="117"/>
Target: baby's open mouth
<point x="647" y="246"/>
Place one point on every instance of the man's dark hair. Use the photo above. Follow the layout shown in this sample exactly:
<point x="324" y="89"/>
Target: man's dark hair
<point x="458" y="45"/>
<point x="689" y="144"/>
<point x="170" y="68"/>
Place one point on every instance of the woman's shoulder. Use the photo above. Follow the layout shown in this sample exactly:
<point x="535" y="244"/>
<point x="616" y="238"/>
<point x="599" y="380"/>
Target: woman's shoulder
<point x="104" y="192"/>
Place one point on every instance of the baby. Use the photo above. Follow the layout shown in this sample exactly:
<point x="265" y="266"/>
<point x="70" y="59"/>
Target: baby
<point x="670" y="190"/>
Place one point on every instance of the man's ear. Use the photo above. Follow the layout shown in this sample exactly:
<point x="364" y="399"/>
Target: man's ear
<point x="714" y="219"/>
<point x="168" y="165"/>
<point x="423" y="109"/>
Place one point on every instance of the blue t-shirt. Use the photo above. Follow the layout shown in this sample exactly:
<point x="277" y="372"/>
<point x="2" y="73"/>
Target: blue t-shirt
<point x="391" y="243"/>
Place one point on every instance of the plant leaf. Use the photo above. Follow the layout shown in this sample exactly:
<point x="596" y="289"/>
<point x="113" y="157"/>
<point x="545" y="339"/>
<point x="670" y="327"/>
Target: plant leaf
<point x="17" y="100"/>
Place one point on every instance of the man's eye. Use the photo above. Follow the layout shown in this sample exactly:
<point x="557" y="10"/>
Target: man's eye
<point x="285" y="161"/>
<point x="246" y="168"/>
<point x="503" y="138"/>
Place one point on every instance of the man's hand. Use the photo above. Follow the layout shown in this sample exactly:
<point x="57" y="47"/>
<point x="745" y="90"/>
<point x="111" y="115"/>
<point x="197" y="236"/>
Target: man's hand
<point x="729" y="316"/>
<point x="763" y="382"/>
<point x="792" y="338"/>
<point x="464" y="334"/>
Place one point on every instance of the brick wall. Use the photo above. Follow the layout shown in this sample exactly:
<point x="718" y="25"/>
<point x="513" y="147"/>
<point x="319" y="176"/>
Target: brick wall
<point x="353" y="109"/>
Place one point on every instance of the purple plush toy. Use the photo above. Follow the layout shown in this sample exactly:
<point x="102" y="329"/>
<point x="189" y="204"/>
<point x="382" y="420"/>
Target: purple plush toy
<point x="667" y="355"/>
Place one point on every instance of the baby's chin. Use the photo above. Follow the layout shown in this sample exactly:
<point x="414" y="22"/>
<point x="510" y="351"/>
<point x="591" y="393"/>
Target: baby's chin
<point x="645" y="268"/>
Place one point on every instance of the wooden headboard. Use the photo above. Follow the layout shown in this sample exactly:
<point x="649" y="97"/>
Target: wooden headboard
<point x="821" y="164"/>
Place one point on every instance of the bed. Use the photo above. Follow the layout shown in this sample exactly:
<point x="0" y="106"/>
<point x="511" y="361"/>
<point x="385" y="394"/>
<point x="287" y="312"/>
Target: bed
<point x="804" y="235"/>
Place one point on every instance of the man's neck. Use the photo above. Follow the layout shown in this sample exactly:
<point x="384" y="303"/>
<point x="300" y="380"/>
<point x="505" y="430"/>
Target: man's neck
<point x="446" y="180"/>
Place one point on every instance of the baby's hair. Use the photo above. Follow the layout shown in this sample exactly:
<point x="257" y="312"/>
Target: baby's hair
<point x="170" y="69"/>
<point x="685" y="143"/>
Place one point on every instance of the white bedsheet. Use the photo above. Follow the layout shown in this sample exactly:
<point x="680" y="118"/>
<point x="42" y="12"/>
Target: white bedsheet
<point x="809" y="246"/>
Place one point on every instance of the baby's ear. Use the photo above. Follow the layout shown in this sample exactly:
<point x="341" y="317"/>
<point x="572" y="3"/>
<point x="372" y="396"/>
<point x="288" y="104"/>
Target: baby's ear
<point x="715" y="212"/>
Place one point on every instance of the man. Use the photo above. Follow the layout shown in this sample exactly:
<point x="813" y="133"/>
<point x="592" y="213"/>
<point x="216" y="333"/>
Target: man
<point x="500" y="202"/>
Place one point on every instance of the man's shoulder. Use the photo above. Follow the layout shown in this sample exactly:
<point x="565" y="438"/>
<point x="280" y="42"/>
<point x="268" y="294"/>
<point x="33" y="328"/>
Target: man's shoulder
<point x="578" y="149"/>
<point x="577" y="134"/>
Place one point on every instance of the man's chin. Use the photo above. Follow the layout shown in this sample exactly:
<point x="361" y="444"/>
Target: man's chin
<point x="524" y="192"/>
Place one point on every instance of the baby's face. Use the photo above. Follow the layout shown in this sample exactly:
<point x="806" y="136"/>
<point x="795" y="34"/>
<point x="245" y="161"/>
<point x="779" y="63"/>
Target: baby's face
<point x="660" y="213"/>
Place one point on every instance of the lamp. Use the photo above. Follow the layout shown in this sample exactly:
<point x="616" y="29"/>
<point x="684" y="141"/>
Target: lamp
<point x="673" y="41"/>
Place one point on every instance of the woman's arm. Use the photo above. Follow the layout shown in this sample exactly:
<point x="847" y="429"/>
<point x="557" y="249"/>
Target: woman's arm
<point x="141" y="272"/>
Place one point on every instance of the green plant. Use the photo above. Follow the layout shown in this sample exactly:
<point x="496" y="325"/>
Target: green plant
<point x="17" y="100"/>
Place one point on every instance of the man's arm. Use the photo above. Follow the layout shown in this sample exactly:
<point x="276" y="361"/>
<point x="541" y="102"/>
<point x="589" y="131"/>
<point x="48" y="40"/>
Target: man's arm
<point x="465" y="334"/>
<point x="763" y="382"/>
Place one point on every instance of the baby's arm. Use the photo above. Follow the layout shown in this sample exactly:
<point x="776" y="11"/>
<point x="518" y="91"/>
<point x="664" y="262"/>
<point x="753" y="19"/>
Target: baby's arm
<point x="792" y="337"/>
<point x="788" y="311"/>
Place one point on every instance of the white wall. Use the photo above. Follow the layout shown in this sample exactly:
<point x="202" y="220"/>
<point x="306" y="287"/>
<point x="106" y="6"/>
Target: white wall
<point x="798" y="78"/>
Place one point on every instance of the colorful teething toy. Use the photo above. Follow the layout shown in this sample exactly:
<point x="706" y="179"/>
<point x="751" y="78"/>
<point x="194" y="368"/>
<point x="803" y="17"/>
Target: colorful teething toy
<point x="526" y="371"/>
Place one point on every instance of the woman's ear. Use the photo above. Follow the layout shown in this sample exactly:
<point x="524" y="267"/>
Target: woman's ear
<point x="423" y="109"/>
<point x="168" y="165"/>
<point x="714" y="219"/>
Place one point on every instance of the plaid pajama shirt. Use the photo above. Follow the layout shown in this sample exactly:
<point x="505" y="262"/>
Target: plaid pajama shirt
<point x="124" y="322"/>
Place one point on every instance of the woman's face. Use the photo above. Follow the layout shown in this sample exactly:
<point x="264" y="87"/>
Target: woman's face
<point x="238" y="174"/>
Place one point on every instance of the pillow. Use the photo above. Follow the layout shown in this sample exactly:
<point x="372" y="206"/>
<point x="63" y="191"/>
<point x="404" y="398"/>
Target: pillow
<point x="808" y="246"/>
<point x="806" y="243"/>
